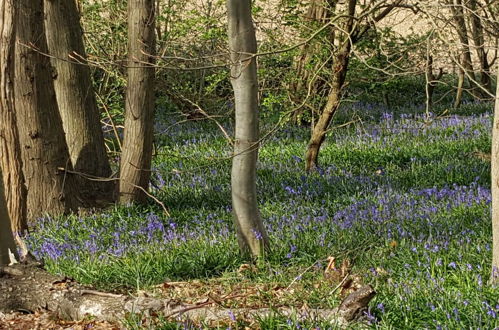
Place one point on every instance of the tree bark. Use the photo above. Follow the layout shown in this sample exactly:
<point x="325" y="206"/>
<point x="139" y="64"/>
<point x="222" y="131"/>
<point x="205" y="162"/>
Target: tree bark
<point x="76" y="99"/>
<point x="28" y="288"/>
<point x="9" y="149"/>
<point x="251" y="233"/>
<point x="319" y="11"/>
<point x="495" y="189"/>
<point x="340" y="68"/>
<point x="43" y="147"/>
<point x="136" y="156"/>
<point x="10" y="153"/>
<point x="479" y="45"/>
<point x="462" y="32"/>
<point x="7" y="245"/>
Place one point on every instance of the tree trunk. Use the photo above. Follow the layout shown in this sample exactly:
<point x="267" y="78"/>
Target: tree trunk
<point x="7" y="245"/>
<point x="340" y="68"/>
<point x="251" y="233"/>
<point x="139" y="109"/>
<point x="76" y="99"/>
<point x="10" y="153"/>
<point x="462" y="32"/>
<point x="43" y="146"/>
<point x="9" y="147"/>
<point x="495" y="189"/>
<point x="479" y="44"/>
<point x="319" y="11"/>
<point x="460" y="87"/>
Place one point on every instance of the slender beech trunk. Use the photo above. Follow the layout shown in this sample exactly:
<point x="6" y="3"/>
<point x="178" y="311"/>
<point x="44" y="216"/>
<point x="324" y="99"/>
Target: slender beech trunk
<point x="76" y="99"/>
<point x="495" y="189"/>
<point x="139" y="109"/>
<point x="479" y="45"/>
<point x="9" y="149"/>
<point x="340" y="68"/>
<point x="10" y="153"/>
<point x="251" y="233"/>
<point x="43" y="146"/>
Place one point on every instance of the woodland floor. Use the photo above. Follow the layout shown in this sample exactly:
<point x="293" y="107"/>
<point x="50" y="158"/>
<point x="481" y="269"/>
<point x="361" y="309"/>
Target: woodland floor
<point x="400" y="202"/>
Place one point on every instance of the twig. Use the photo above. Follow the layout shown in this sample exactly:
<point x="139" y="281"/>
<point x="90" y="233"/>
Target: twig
<point x="339" y="284"/>
<point x="102" y="294"/>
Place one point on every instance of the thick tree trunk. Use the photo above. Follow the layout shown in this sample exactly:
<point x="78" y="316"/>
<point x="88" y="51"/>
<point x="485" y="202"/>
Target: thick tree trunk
<point x="43" y="146"/>
<point x="10" y="153"/>
<point x="76" y="99"/>
<point x="495" y="189"/>
<point x="139" y="109"/>
<point x="9" y="149"/>
<point x="340" y="68"/>
<point x="251" y="234"/>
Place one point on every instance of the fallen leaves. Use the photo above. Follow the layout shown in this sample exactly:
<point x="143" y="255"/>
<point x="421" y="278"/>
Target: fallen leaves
<point x="46" y="320"/>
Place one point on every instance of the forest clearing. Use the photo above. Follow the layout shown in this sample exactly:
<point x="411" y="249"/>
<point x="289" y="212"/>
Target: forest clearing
<point x="249" y="164"/>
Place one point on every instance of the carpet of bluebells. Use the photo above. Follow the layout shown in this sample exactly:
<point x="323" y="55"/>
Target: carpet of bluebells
<point x="404" y="196"/>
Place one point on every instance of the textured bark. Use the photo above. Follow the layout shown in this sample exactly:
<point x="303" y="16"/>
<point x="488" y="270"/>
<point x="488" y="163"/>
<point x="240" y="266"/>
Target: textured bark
<point x="340" y="68"/>
<point x="251" y="233"/>
<point x="495" y="189"/>
<point x="43" y="147"/>
<point x="139" y="109"/>
<point x="10" y="153"/>
<point x="76" y="99"/>
<point x="30" y="288"/>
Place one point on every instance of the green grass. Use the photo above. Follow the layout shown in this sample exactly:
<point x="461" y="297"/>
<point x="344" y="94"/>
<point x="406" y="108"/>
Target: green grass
<point x="406" y="200"/>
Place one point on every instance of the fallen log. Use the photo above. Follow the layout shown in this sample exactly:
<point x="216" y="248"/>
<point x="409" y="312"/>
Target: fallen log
<point x="29" y="288"/>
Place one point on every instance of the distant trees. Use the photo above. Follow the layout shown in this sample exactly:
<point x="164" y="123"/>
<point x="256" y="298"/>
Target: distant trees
<point x="355" y="22"/>
<point x="136" y="154"/>
<point x="251" y="233"/>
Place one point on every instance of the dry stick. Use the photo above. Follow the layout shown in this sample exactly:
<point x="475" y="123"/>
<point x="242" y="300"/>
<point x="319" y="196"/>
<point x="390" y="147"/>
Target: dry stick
<point x="186" y="309"/>
<point x="339" y="284"/>
<point x="209" y="117"/>
<point x="96" y="178"/>
<point x="102" y="294"/>
<point x="306" y="270"/>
